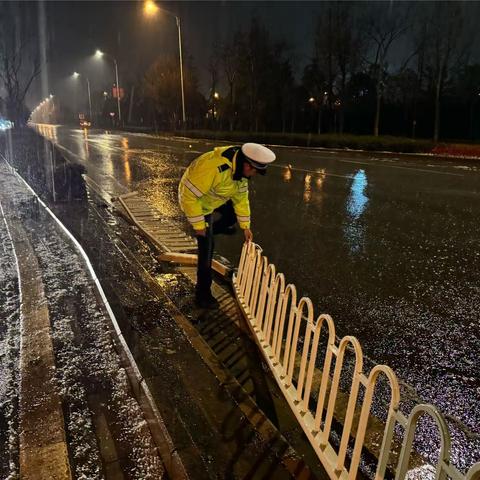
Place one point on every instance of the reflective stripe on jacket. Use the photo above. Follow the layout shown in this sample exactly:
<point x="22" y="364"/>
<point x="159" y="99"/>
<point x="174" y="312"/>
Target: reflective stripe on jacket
<point x="208" y="183"/>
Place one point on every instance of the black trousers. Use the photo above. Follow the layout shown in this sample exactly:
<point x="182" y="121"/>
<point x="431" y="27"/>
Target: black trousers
<point x="221" y="225"/>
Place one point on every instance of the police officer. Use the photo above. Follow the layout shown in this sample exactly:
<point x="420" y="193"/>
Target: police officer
<point x="217" y="181"/>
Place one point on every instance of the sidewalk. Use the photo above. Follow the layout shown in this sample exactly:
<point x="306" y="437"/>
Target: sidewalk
<point x="66" y="401"/>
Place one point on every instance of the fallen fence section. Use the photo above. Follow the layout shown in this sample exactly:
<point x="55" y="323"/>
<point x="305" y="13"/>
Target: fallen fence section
<point x="158" y="229"/>
<point x="163" y="233"/>
<point x="284" y="327"/>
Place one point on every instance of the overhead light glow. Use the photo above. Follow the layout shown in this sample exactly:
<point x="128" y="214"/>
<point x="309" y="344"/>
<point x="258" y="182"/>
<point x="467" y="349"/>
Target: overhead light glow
<point x="150" y="8"/>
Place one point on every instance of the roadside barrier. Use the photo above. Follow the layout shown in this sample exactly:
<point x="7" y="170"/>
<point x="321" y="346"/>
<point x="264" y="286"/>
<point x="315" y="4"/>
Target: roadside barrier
<point x="289" y="337"/>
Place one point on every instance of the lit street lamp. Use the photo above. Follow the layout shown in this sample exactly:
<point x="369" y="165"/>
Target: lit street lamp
<point x="150" y="8"/>
<point x="100" y="54"/>
<point x="215" y="96"/>
<point x="76" y="75"/>
<point x="43" y="111"/>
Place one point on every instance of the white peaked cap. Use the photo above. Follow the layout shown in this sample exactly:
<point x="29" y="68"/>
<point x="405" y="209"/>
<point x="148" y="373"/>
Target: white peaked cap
<point x="258" y="155"/>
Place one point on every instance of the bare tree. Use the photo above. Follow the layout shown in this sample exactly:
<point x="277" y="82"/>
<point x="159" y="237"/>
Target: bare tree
<point x="214" y="66"/>
<point x="348" y="51"/>
<point x="282" y="71"/>
<point x="258" y="73"/>
<point x="256" y="59"/>
<point x="324" y="56"/>
<point x="315" y="83"/>
<point x="401" y="91"/>
<point x="419" y="37"/>
<point x="468" y="90"/>
<point x="19" y="59"/>
<point x="447" y="48"/>
<point x="230" y="63"/>
<point x="384" y="26"/>
<point x="339" y="48"/>
<point x="260" y="80"/>
<point x="160" y="85"/>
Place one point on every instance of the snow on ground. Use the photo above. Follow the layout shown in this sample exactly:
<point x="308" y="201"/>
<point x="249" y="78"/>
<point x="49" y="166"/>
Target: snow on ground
<point x="9" y="355"/>
<point x="93" y="362"/>
<point x="91" y="379"/>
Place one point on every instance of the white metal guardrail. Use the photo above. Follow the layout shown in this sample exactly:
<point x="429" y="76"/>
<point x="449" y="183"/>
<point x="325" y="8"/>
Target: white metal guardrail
<point x="285" y="328"/>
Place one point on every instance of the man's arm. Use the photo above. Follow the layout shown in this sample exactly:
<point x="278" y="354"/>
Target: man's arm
<point x="248" y="235"/>
<point x="241" y="205"/>
<point x="193" y="187"/>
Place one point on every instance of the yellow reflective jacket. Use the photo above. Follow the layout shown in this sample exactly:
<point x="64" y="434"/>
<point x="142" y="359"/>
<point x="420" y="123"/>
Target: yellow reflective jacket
<point x="208" y="183"/>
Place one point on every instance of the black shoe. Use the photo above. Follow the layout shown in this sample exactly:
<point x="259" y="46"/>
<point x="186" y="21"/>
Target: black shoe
<point x="207" y="301"/>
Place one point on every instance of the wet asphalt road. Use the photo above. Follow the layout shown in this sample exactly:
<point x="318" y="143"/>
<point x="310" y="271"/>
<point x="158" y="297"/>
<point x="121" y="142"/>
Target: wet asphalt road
<point x="388" y="246"/>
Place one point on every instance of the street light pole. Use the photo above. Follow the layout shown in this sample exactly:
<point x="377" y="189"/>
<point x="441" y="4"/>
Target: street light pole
<point x="89" y="98"/>
<point x="76" y="75"/>
<point x="99" y="53"/>
<point x="181" y="67"/>
<point x="118" y="91"/>
<point x="150" y="9"/>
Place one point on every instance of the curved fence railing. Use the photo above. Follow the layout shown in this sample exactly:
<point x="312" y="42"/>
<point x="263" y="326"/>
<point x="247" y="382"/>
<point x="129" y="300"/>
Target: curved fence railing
<point x="308" y="368"/>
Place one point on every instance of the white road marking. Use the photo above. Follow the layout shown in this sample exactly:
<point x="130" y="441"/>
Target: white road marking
<point x="399" y="167"/>
<point x="306" y="170"/>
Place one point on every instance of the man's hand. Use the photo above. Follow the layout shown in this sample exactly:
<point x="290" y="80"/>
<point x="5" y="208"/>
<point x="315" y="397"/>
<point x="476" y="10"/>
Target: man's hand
<point x="248" y="235"/>
<point x="201" y="233"/>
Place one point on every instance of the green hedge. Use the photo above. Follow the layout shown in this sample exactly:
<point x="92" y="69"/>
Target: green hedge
<point x="356" y="142"/>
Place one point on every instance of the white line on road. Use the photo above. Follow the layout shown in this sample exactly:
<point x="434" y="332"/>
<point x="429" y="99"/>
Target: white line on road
<point x="399" y="167"/>
<point x="98" y="142"/>
<point x="306" y="170"/>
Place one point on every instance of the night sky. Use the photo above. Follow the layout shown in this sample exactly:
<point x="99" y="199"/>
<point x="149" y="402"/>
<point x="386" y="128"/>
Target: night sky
<point x="76" y="29"/>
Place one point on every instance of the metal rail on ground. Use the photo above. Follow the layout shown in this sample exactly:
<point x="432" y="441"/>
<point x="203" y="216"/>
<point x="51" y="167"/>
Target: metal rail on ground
<point x="163" y="233"/>
<point x="282" y="324"/>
